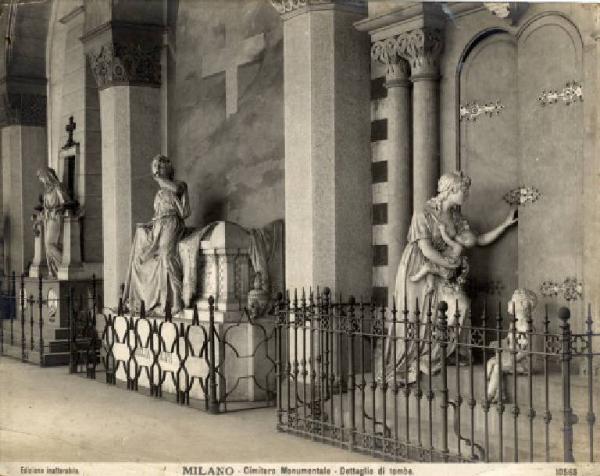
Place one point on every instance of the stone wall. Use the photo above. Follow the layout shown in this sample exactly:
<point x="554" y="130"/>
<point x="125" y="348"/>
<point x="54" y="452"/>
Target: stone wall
<point x="232" y="161"/>
<point x="72" y="91"/>
<point x="526" y="144"/>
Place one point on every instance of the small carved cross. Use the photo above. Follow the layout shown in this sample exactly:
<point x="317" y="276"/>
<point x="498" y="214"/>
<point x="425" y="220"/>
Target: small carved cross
<point x="70" y="128"/>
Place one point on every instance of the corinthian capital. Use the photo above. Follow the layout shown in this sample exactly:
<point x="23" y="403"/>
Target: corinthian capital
<point x="386" y="52"/>
<point x="117" y="63"/>
<point x="422" y="49"/>
<point x="286" y="6"/>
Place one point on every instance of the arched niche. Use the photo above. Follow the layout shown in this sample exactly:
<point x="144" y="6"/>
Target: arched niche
<point x="551" y="154"/>
<point x="525" y="143"/>
<point x="489" y="154"/>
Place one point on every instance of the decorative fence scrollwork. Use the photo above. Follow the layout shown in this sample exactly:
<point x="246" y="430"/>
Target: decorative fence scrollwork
<point x="472" y="393"/>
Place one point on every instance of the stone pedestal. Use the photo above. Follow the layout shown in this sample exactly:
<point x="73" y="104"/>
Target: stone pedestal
<point x="245" y="373"/>
<point x="71" y="259"/>
<point x="327" y="176"/>
<point x="38" y="265"/>
<point x="54" y="311"/>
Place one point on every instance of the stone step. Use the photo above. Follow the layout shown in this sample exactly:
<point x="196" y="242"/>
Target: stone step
<point x="62" y="333"/>
<point x="58" y="346"/>
<point x="50" y="359"/>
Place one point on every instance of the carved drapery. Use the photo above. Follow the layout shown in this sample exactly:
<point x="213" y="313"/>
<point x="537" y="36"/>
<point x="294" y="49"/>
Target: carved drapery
<point x="25" y="109"/>
<point x="421" y="48"/>
<point x="123" y="63"/>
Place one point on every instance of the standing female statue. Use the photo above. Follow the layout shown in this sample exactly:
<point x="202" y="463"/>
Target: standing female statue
<point x="155" y="272"/>
<point x="54" y="200"/>
<point x="432" y="269"/>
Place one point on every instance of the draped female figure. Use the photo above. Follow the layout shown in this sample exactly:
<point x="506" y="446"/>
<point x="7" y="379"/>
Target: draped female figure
<point x="430" y="272"/>
<point x="155" y="272"/>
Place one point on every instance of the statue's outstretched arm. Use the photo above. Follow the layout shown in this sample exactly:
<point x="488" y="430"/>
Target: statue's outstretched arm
<point x="492" y="235"/>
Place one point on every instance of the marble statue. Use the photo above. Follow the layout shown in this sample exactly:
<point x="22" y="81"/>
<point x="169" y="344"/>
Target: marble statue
<point x="522" y="302"/>
<point x="432" y="270"/>
<point x="155" y="270"/>
<point x="55" y="198"/>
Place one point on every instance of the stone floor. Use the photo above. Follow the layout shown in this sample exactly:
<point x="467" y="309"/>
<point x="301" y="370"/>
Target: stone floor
<point x="48" y="415"/>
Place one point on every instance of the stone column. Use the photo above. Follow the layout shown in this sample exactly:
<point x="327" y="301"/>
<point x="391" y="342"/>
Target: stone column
<point x="23" y="153"/>
<point x="327" y="130"/>
<point x="126" y="66"/>
<point x="399" y="166"/>
<point x="422" y="48"/>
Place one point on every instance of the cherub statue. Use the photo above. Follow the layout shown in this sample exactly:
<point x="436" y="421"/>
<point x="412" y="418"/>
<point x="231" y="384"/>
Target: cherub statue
<point x="522" y="302"/>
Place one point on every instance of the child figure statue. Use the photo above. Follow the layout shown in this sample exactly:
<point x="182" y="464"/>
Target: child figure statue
<point x="453" y="253"/>
<point x="522" y="302"/>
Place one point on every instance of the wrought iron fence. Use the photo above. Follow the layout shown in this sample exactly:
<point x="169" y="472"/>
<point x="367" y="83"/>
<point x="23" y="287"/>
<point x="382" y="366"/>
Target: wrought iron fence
<point x="26" y="330"/>
<point x="217" y="366"/>
<point x="466" y="394"/>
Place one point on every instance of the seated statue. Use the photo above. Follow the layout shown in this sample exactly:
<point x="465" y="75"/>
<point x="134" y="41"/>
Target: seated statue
<point x="55" y="199"/>
<point x="155" y="272"/>
<point x="522" y="303"/>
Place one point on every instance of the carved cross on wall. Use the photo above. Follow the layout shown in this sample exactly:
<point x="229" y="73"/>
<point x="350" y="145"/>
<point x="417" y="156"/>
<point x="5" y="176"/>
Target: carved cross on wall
<point x="237" y="52"/>
<point x="70" y="128"/>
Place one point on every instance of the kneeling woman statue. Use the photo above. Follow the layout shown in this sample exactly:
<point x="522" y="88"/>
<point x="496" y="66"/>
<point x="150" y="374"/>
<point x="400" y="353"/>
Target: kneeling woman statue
<point x="155" y="273"/>
<point x="432" y="269"/>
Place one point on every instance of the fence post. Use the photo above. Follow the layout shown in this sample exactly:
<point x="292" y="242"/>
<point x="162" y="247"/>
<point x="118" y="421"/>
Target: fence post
<point x="94" y="303"/>
<point x="591" y="418"/>
<point x="13" y="306"/>
<point x="279" y="363"/>
<point x="213" y="406"/>
<point x="443" y="343"/>
<point x="41" y="320"/>
<point x="568" y="418"/>
<point x="72" y="334"/>
<point x="22" y="297"/>
<point x="352" y="329"/>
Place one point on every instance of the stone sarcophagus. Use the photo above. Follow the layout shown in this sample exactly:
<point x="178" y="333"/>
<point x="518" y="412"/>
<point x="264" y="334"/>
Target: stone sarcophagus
<point x="240" y="268"/>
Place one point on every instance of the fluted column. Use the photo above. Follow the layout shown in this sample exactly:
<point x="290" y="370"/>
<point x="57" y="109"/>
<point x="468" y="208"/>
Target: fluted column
<point x="398" y="152"/>
<point x="422" y="48"/>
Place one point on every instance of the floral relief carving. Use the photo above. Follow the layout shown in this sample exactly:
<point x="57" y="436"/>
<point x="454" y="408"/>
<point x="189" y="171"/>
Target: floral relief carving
<point x="116" y="63"/>
<point x="285" y="6"/>
<point x="571" y="93"/>
<point x="471" y="111"/>
<point x="570" y="289"/>
<point x="522" y="195"/>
